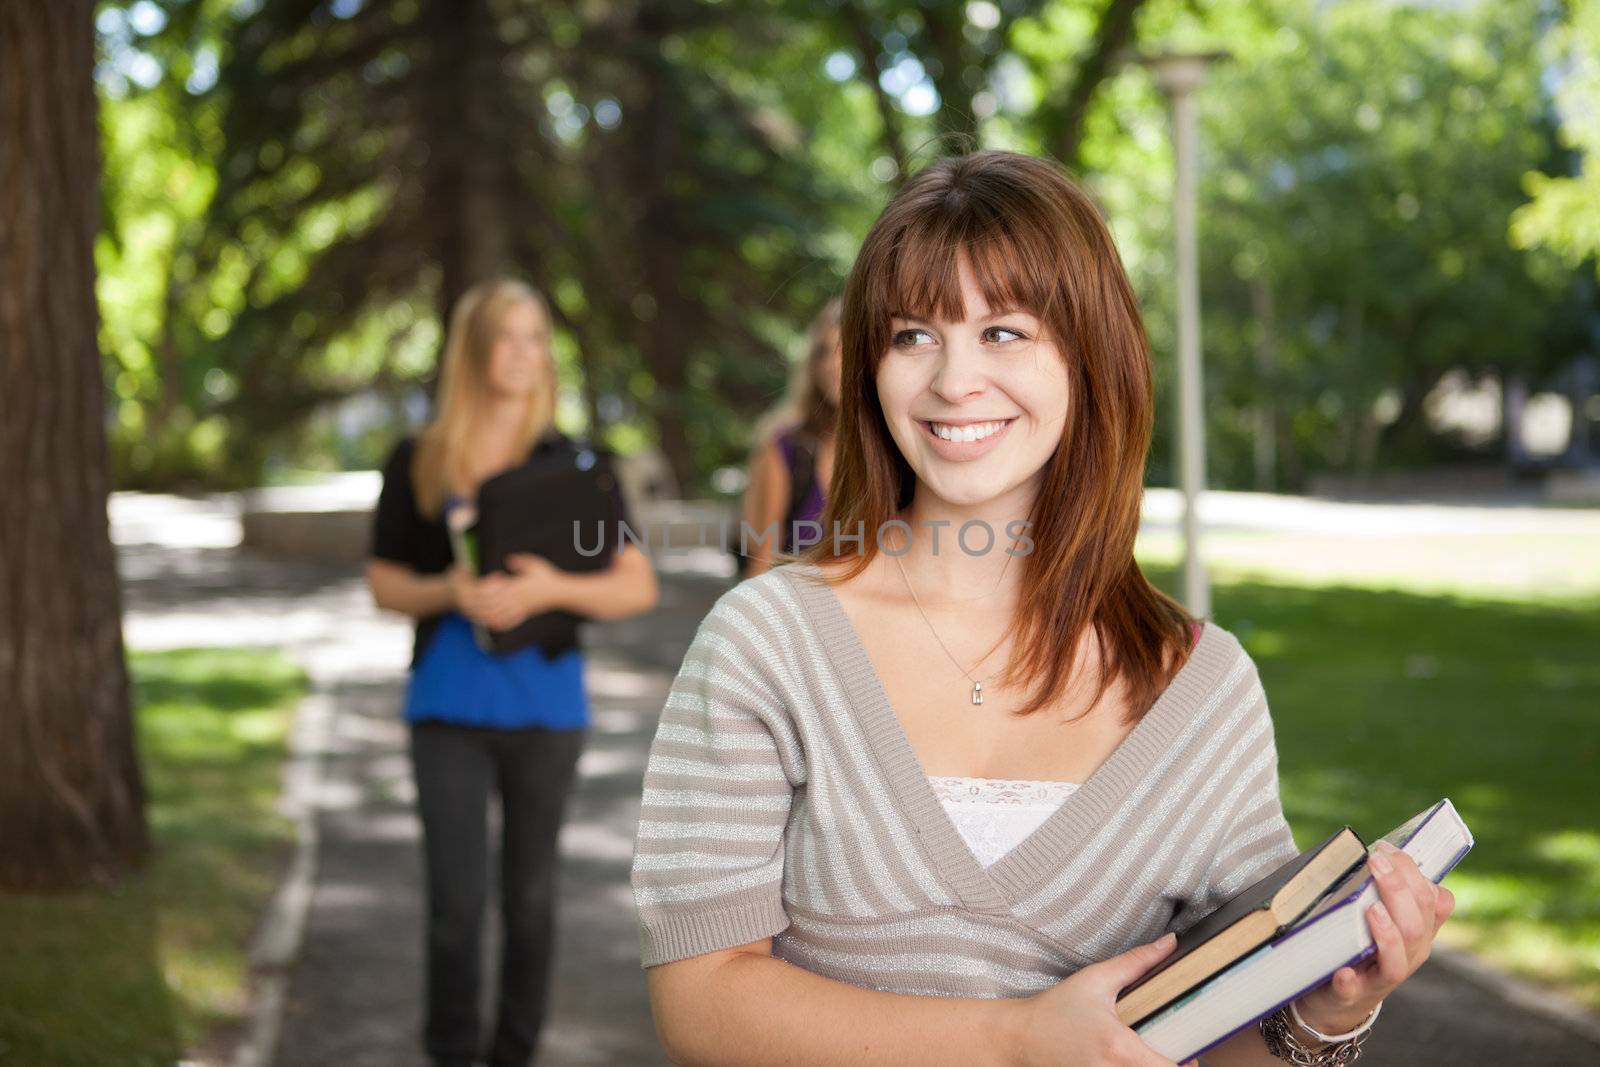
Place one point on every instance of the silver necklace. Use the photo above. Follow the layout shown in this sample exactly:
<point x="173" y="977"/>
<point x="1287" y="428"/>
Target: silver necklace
<point x="977" y="684"/>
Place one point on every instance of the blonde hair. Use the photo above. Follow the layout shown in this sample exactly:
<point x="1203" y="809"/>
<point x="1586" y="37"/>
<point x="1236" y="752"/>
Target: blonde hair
<point x="442" y="461"/>
<point x="804" y="403"/>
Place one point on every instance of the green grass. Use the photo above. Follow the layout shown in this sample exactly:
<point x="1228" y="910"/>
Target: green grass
<point x="136" y="975"/>
<point x="1537" y="567"/>
<point x="1385" y="701"/>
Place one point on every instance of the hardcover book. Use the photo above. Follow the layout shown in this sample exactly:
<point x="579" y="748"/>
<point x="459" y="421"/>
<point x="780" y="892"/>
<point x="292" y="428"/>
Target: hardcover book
<point x="564" y="505"/>
<point x="1245" y="923"/>
<point x="1332" y="935"/>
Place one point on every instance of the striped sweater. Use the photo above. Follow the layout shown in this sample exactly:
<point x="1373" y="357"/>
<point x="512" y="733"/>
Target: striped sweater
<point x="783" y="799"/>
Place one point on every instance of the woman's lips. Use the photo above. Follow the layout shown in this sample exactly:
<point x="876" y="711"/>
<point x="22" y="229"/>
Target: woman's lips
<point x="965" y="450"/>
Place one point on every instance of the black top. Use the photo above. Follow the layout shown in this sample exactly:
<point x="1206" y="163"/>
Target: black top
<point x="402" y="535"/>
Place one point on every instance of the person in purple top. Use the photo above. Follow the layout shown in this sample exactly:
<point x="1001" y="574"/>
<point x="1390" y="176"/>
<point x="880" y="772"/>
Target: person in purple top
<point x="793" y="458"/>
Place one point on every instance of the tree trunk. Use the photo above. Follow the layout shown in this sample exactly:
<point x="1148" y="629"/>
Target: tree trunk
<point x="468" y="181"/>
<point x="1264" y="307"/>
<point x="1513" y="402"/>
<point x="859" y="26"/>
<point x="955" y="121"/>
<point x="664" y="312"/>
<point x="1114" y="33"/>
<point x="71" y="801"/>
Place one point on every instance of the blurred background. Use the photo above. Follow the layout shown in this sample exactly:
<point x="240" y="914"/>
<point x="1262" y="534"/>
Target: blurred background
<point x="1398" y="219"/>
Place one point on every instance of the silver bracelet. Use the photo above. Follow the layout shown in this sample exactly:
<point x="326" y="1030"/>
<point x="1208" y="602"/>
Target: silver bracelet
<point x="1285" y="1044"/>
<point x="1294" y="1012"/>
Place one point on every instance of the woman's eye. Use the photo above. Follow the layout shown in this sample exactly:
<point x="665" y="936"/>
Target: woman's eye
<point x="1001" y="334"/>
<point x="910" y="338"/>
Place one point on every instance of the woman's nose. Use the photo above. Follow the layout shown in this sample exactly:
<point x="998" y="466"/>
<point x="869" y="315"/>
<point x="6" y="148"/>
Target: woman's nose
<point x="960" y="372"/>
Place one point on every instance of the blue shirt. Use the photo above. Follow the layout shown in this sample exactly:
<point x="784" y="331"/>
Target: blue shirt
<point x="455" y="681"/>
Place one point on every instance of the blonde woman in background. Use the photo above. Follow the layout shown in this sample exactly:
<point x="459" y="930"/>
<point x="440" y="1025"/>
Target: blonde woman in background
<point x="793" y="458"/>
<point x="481" y="722"/>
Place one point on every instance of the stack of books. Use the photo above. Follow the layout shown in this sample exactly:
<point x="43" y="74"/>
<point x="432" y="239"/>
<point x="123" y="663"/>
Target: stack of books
<point x="1287" y="934"/>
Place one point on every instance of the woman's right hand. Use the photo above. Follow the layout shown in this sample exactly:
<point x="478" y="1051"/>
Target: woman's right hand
<point x="486" y="601"/>
<point x="1074" y="1023"/>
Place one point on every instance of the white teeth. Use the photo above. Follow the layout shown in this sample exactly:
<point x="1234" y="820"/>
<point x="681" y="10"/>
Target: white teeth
<point x="976" y="432"/>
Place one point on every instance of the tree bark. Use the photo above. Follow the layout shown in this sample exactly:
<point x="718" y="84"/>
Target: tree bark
<point x="71" y="799"/>
<point x="1114" y="32"/>
<point x="663" y="309"/>
<point x="955" y="120"/>
<point x="1264" y="307"/>
<point x="859" y="25"/>
<point x="468" y="182"/>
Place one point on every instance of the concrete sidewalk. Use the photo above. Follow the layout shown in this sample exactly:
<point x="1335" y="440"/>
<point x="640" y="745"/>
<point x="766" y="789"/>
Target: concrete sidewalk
<point x="354" y="994"/>
<point x="354" y="997"/>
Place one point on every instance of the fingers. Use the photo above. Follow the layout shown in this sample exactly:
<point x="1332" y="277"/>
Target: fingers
<point x="1119" y="970"/>
<point x="1347" y="985"/>
<point x="1145" y="1056"/>
<point x="1128" y="1048"/>
<point x="490" y="601"/>
<point x="1392" y="964"/>
<point x="1443" y="905"/>
<point x="1407" y="896"/>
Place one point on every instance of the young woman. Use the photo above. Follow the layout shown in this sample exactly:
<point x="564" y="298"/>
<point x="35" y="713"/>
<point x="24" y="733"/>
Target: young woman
<point x="811" y="884"/>
<point x="482" y="723"/>
<point x="793" y="460"/>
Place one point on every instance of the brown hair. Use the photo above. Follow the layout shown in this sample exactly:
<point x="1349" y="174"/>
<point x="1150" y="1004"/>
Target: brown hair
<point x="1035" y="242"/>
<point x="442" y="460"/>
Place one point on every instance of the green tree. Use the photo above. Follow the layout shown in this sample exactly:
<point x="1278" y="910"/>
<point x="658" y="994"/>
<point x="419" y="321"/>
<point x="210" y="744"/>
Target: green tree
<point x="362" y="164"/>
<point x="1563" y="212"/>
<point x="303" y="187"/>
<point x="1365" y="160"/>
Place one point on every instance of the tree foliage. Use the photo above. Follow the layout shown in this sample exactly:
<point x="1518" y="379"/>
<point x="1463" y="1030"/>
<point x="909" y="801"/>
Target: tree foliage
<point x="1364" y="165"/>
<point x="299" y="189"/>
<point x="1563" y="212"/>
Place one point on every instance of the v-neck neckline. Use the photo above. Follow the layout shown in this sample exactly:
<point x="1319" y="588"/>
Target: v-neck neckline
<point x="1024" y="869"/>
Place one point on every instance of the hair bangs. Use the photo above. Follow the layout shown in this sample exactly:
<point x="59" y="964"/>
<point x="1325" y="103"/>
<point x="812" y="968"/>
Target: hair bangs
<point x="920" y="275"/>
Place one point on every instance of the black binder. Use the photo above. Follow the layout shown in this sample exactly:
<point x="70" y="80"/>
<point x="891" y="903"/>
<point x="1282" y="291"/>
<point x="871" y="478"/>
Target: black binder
<point x="533" y="508"/>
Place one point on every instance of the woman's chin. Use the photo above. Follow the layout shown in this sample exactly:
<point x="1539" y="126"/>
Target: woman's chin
<point x="966" y="492"/>
<point x="969" y="488"/>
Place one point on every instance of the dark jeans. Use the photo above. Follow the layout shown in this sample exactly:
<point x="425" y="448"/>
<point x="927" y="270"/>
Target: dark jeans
<point x="456" y="767"/>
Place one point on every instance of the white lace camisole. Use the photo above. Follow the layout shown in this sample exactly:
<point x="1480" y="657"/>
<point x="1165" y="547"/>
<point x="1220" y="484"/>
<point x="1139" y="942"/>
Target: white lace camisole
<point x="994" y="815"/>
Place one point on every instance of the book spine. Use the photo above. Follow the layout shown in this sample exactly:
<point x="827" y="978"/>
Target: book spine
<point x="464" y="546"/>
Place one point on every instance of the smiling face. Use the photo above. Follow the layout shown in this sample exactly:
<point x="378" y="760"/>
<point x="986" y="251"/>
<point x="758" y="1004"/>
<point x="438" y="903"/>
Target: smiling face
<point x="977" y="406"/>
<point x="519" y="351"/>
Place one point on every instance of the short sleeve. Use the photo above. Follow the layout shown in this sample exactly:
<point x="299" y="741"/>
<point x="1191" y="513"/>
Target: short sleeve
<point x="723" y="767"/>
<point x="395" y="522"/>
<point x="1255" y="838"/>
<point x="621" y="515"/>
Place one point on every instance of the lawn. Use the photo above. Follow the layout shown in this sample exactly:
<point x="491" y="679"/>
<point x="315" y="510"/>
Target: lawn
<point x="137" y="975"/>
<point x="1384" y="701"/>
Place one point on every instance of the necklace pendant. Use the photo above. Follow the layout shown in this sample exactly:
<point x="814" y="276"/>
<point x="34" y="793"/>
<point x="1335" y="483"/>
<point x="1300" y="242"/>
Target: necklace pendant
<point x="977" y="692"/>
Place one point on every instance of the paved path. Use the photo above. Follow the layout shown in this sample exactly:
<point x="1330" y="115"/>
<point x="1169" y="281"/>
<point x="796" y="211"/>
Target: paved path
<point x="353" y="997"/>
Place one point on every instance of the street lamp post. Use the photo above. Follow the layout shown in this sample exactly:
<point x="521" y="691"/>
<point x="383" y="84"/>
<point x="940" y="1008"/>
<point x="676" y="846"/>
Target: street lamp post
<point x="1178" y="75"/>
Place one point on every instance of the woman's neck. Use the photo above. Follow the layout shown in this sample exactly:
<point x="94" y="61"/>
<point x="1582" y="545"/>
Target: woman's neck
<point x="499" y="426"/>
<point x="947" y="573"/>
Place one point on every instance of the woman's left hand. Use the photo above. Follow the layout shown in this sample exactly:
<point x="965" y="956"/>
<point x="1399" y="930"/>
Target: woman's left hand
<point x="1409" y="912"/>
<point x="536" y="583"/>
